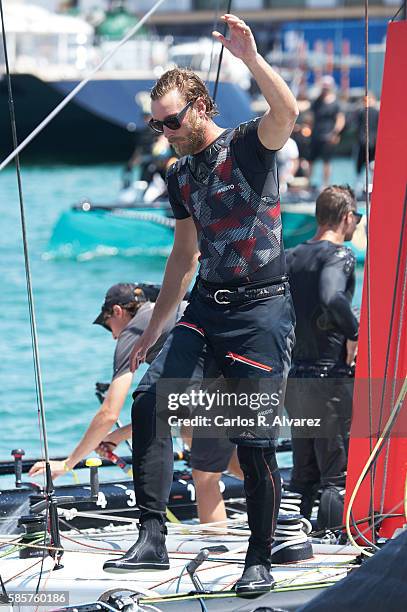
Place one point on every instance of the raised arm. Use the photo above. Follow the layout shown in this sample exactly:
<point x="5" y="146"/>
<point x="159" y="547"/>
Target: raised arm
<point x="278" y="121"/>
<point x="179" y="272"/>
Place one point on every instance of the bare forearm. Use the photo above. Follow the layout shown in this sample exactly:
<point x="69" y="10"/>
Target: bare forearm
<point x="179" y="273"/>
<point x="283" y="105"/>
<point x="98" y="429"/>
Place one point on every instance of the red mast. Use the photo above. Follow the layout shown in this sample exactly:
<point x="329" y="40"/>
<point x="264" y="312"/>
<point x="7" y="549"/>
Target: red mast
<point x="382" y="358"/>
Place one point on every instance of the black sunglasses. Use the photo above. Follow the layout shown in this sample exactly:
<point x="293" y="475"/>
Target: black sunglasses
<point x="357" y="215"/>
<point x="172" y="122"/>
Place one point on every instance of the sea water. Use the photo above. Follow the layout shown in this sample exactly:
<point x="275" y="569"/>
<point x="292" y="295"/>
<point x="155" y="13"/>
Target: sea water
<point x="68" y="293"/>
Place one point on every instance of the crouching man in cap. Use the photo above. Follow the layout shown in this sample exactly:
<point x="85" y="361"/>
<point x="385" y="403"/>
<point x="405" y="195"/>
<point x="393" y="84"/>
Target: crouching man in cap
<point x="126" y="313"/>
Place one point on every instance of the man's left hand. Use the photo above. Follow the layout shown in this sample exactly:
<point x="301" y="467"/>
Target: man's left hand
<point x="241" y="43"/>
<point x="58" y="468"/>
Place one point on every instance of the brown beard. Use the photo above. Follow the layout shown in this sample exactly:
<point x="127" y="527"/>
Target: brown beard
<point x="193" y="143"/>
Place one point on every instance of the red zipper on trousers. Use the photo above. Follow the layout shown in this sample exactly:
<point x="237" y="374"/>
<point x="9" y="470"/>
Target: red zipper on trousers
<point x="247" y="361"/>
<point x="190" y="326"/>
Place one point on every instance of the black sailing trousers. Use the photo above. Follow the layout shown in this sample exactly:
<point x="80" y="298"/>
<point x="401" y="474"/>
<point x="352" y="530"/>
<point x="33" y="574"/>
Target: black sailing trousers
<point x="247" y="342"/>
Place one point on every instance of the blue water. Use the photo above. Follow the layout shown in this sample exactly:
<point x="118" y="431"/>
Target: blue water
<point x="68" y="294"/>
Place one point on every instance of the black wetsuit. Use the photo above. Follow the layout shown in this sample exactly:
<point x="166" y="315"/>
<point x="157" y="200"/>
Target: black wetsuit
<point x="322" y="279"/>
<point x="231" y="191"/>
<point x="322" y="276"/>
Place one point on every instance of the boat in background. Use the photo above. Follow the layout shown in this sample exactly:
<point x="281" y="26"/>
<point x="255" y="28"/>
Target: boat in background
<point x="89" y="231"/>
<point x="130" y="226"/>
<point x="50" y="54"/>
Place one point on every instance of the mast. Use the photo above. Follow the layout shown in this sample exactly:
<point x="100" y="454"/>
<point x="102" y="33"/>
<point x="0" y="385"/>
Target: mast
<point x="380" y="375"/>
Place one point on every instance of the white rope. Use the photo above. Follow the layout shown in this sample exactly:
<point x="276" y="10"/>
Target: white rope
<point x="145" y="216"/>
<point x="78" y="88"/>
<point x="184" y="528"/>
<point x="292" y="506"/>
<point x="288" y="535"/>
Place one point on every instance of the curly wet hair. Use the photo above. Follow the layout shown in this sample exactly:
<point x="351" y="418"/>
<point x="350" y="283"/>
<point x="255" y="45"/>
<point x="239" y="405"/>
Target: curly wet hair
<point x="189" y="85"/>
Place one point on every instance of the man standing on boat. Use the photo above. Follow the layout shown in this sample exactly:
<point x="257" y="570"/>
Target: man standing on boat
<point x="322" y="279"/>
<point x="224" y="194"/>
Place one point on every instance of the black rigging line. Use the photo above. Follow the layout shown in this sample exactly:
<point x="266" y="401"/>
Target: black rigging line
<point x="373" y="467"/>
<point x="214" y="27"/>
<point x="51" y="505"/>
<point x="215" y="88"/>
<point x="399" y="334"/>
<point x="367" y="263"/>
<point x="400" y="400"/>
<point x="4" y="598"/>
<point x="33" y="325"/>
<point x="402" y="10"/>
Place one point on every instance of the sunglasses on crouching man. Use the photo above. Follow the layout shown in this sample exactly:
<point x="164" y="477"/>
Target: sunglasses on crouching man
<point x="358" y="216"/>
<point x="172" y="122"/>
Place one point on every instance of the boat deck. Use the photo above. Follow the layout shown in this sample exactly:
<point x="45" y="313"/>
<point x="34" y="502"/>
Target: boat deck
<point x="83" y="578"/>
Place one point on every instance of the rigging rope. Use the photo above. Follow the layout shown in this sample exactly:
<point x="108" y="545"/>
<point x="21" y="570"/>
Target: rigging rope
<point x="77" y="89"/>
<point x="214" y="27"/>
<point x="51" y="508"/>
<point x="215" y="88"/>
<point x="373" y="456"/>
<point x="30" y="296"/>
<point x="367" y="262"/>
<point x="393" y="321"/>
<point x="399" y="338"/>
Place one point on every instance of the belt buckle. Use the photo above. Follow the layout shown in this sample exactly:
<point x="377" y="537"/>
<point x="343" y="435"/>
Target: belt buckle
<point x="215" y="296"/>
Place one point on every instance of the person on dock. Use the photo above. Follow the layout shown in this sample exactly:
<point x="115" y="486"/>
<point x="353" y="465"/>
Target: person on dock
<point x="362" y="136"/>
<point x="322" y="279"/>
<point x="328" y="123"/>
<point x="224" y="195"/>
<point x="142" y="154"/>
<point x="126" y="313"/>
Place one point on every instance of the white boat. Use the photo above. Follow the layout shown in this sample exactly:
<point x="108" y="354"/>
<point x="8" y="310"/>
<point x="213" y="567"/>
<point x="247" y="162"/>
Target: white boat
<point x="213" y="555"/>
<point x="50" y="54"/>
<point x="81" y="578"/>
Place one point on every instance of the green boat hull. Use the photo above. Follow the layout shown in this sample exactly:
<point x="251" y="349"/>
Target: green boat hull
<point x="149" y="231"/>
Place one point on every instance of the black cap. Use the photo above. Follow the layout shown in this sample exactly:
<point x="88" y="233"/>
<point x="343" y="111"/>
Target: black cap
<point x="122" y="293"/>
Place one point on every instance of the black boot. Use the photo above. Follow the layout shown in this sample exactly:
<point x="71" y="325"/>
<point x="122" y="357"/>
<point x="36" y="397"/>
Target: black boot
<point x="262" y="484"/>
<point x="148" y="553"/>
<point x="255" y="580"/>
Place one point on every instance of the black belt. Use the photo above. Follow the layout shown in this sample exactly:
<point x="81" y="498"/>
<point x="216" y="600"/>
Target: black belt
<point x="244" y="293"/>
<point x="326" y="371"/>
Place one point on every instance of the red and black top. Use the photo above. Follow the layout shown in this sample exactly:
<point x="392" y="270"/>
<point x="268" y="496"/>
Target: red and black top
<point x="231" y="191"/>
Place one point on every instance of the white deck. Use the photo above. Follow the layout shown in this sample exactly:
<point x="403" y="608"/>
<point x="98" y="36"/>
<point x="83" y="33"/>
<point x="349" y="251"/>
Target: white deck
<point x="84" y="578"/>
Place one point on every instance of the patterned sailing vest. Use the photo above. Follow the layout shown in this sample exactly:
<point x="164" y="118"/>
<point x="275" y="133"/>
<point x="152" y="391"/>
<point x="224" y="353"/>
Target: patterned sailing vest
<point x="239" y="231"/>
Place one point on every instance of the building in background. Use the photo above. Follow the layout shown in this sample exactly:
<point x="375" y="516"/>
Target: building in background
<point x="53" y="44"/>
